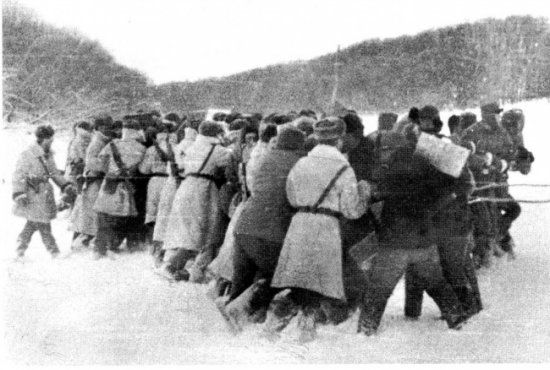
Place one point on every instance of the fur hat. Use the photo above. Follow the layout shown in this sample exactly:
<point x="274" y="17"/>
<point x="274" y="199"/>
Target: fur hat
<point x="44" y="132"/>
<point x="290" y="138"/>
<point x="281" y="119"/>
<point x="232" y="117"/>
<point x="219" y="116"/>
<point x="491" y="108"/>
<point x="430" y="112"/>
<point x="467" y="119"/>
<point x="354" y="125"/>
<point x="172" y="117"/>
<point x="268" y="133"/>
<point x="84" y="125"/>
<point x="103" y="121"/>
<point x="414" y="115"/>
<point x="386" y="121"/>
<point x="237" y="124"/>
<point x="329" y="128"/>
<point x="305" y="124"/>
<point x="132" y="124"/>
<point x="513" y="118"/>
<point x="210" y="128"/>
<point x="453" y="123"/>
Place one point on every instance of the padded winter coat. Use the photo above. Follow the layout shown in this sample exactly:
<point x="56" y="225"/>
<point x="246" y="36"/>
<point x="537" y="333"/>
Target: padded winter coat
<point x="33" y="171"/>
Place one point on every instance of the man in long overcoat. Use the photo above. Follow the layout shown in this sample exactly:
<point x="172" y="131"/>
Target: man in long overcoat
<point x="83" y="220"/>
<point x="33" y="193"/>
<point x="115" y="203"/>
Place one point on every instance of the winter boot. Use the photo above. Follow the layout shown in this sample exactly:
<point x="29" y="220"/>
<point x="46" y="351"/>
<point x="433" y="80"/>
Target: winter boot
<point x="507" y="244"/>
<point x="197" y="274"/>
<point x="370" y="316"/>
<point x="241" y="307"/>
<point x="281" y="310"/>
<point x="232" y="323"/>
<point x="307" y="326"/>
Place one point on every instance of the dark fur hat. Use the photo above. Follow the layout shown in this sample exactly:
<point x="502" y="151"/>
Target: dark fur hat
<point x="354" y="124"/>
<point x="210" y="128"/>
<point x="237" y="124"/>
<point x="467" y="119"/>
<point x="453" y="123"/>
<point x="44" y="132"/>
<point x="386" y="121"/>
<point x="290" y="138"/>
<point x="172" y="117"/>
<point x="329" y="128"/>
<point x="84" y="125"/>
<point x="102" y="121"/>
<point x="269" y="132"/>
<point x="414" y="115"/>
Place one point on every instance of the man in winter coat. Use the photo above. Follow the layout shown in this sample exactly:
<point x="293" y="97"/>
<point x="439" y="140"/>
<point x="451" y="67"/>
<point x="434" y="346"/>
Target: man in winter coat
<point x="512" y="121"/>
<point x="115" y="203"/>
<point x="322" y="187"/>
<point x="263" y="223"/>
<point x="489" y="138"/>
<point x="156" y="164"/>
<point x="33" y="193"/>
<point x="453" y="227"/>
<point x="83" y="220"/>
<point x="194" y="225"/>
<point x="417" y="205"/>
<point x="76" y="155"/>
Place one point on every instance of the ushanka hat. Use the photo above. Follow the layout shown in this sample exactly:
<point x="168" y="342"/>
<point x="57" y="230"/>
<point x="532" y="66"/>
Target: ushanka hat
<point x="290" y="138"/>
<point x="329" y="128"/>
<point x="491" y="108"/>
<point x="132" y="124"/>
<point x="210" y="128"/>
<point x="44" y="132"/>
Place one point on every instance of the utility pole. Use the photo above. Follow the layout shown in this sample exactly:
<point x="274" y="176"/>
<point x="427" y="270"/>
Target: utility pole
<point x="336" y="79"/>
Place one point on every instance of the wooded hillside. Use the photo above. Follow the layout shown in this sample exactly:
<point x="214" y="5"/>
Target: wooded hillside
<point x="57" y="75"/>
<point x="455" y="66"/>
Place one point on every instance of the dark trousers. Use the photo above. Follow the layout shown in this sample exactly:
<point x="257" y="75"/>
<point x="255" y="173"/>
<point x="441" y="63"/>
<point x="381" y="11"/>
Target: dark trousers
<point x="388" y="266"/>
<point x="507" y="213"/>
<point x="45" y="230"/>
<point x="458" y="270"/>
<point x="112" y="230"/>
<point x="254" y="259"/>
<point x="178" y="261"/>
<point x="420" y="277"/>
<point x="483" y="228"/>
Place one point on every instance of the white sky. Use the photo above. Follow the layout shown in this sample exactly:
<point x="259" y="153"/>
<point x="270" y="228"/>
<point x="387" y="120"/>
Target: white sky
<point x="176" y="40"/>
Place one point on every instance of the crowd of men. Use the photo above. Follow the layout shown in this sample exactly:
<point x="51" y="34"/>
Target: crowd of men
<point x="289" y="214"/>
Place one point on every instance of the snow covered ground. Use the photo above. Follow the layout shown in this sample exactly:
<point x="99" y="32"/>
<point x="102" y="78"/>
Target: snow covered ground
<point x="79" y="311"/>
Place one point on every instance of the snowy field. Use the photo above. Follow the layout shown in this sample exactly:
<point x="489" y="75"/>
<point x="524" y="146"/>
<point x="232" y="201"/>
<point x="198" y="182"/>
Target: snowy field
<point x="79" y="311"/>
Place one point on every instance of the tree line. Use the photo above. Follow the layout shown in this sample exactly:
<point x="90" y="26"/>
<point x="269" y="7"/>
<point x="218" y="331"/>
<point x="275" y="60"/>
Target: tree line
<point x="456" y="66"/>
<point x="57" y="75"/>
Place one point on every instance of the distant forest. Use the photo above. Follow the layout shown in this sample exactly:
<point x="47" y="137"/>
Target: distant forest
<point x="457" y="66"/>
<point x="56" y="75"/>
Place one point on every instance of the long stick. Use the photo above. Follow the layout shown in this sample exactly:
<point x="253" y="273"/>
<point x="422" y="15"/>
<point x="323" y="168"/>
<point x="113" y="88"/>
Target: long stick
<point x="506" y="200"/>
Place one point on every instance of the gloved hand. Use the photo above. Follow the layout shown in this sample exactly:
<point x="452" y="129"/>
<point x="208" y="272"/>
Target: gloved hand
<point x="365" y="190"/>
<point x="22" y="200"/>
<point x="69" y="194"/>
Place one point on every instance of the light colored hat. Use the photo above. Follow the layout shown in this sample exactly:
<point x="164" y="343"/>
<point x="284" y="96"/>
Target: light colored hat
<point x="329" y="128"/>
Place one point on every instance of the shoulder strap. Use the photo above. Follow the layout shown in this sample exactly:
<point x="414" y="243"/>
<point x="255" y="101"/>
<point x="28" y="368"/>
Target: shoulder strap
<point x="329" y="186"/>
<point x="118" y="159"/>
<point x="163" y="156"/>
<point x="378" y="148"/>
<point x="207" y="158"/>
<point x="45" y="166"/>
